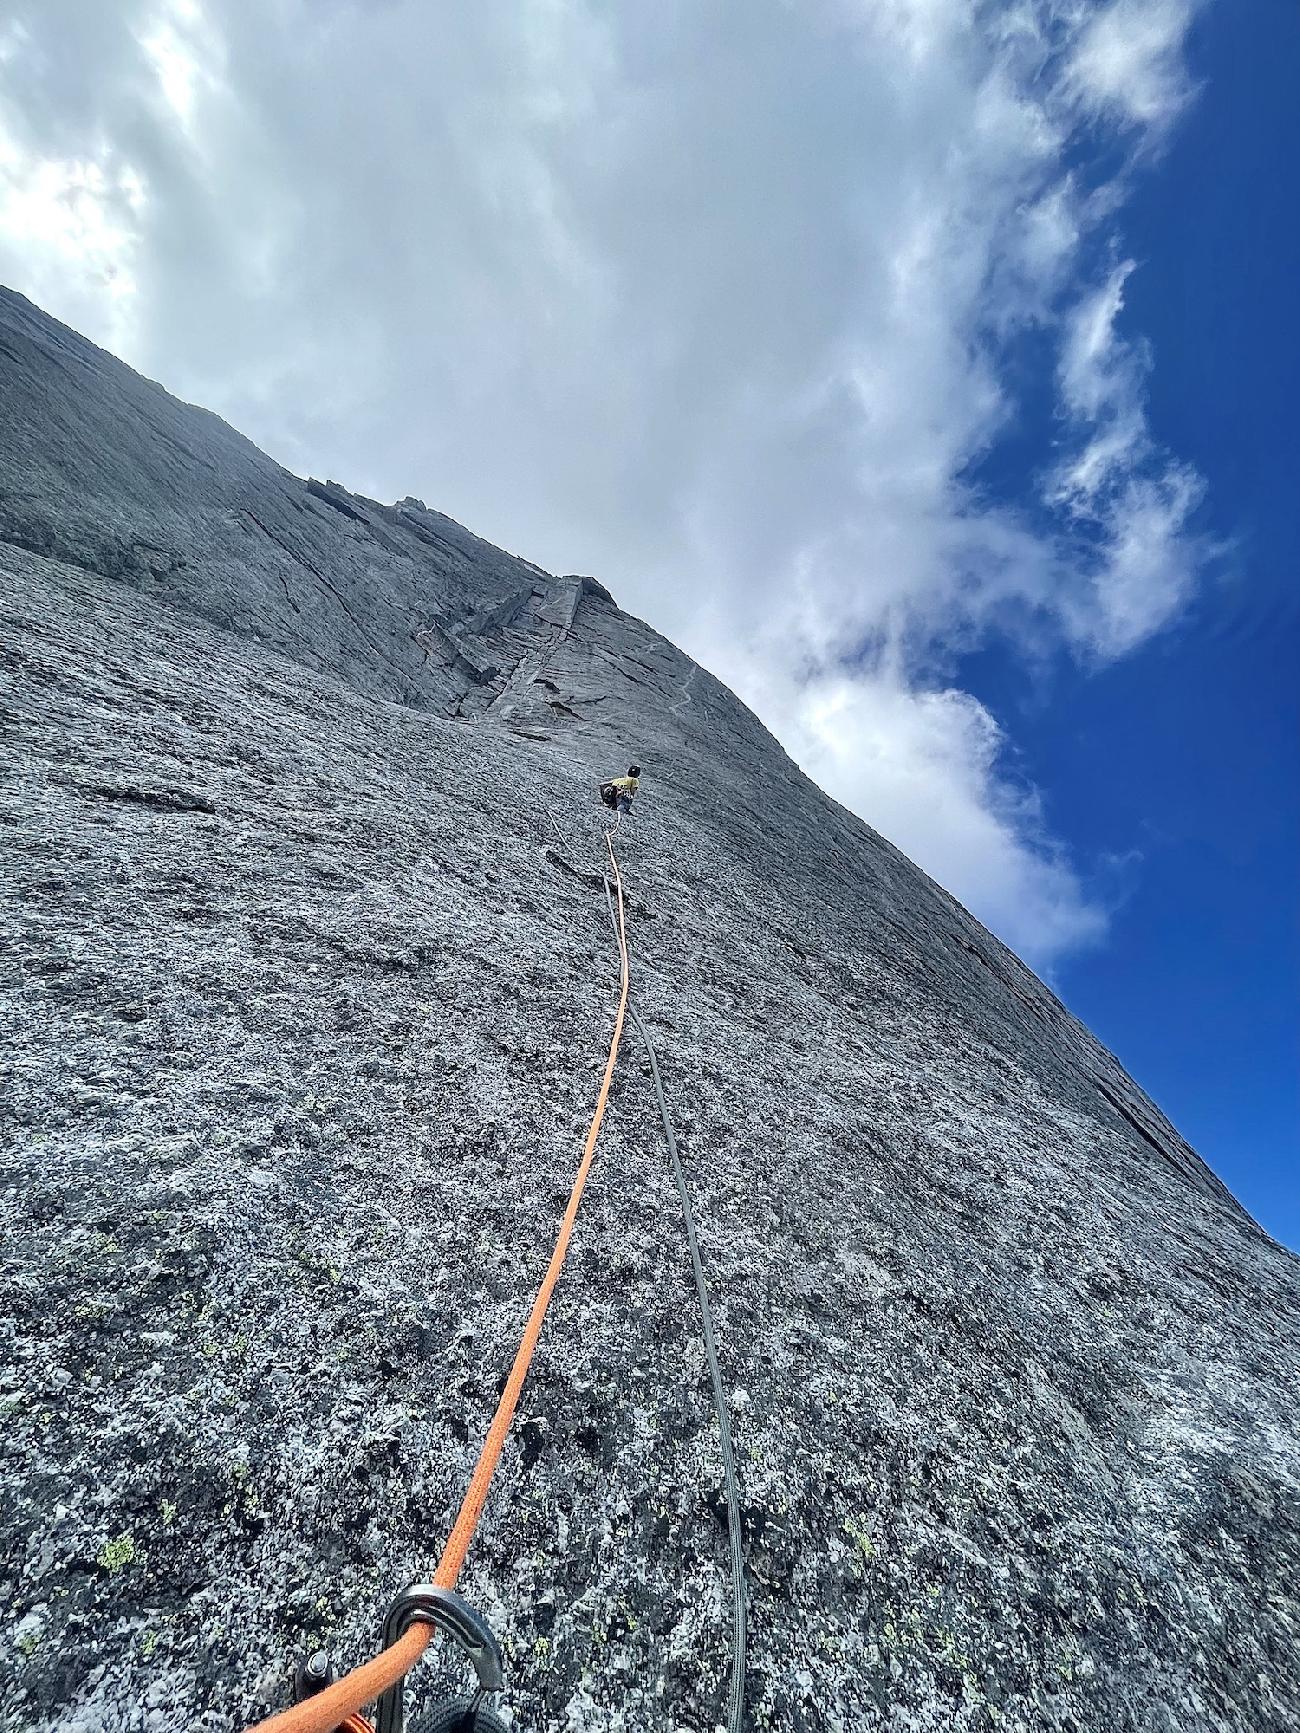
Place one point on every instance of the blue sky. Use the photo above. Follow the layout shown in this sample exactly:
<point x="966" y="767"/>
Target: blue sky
<point x="1213" y="924"/>
<point x="921" y="366"/>
<point x="1185" y="759"/>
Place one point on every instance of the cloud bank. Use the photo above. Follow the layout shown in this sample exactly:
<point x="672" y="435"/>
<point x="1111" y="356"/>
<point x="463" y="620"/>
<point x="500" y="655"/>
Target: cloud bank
<point x="729" y="305"/>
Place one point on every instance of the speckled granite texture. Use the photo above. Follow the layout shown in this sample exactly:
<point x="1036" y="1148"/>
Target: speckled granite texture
<point x="308" y="981"/>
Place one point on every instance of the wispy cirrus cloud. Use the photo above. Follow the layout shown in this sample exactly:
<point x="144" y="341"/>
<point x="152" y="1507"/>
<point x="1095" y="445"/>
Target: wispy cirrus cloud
<point x="1126" y="61"/>
<point x="722" y="303"/>
<point x="1135" y="497"/>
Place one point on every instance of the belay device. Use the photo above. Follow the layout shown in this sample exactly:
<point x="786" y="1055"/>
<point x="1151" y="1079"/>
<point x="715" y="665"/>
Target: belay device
<point x="450" y="1613"/>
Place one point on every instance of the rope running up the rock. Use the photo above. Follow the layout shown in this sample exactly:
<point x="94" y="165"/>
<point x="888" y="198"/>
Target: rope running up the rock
<point x="328" y="1708"/>
<point x="736" y="1696"/>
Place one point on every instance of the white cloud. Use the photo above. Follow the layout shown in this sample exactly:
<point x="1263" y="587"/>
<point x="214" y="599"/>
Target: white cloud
<point x="74" y="219"/>
<point x="1134" y="497"/>
<point x="1149" y="562"/>
<point x="930" y="765"/>
<point x="719" y="302"/>
<point x="1128" y="60"/>
<point x="1096" y="367"/>
<point x="13" y="36"/>
<point x="185" y="54"/>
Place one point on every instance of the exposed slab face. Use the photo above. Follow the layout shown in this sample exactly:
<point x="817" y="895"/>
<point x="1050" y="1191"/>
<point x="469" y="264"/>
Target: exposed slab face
<point x="313" y="980"/>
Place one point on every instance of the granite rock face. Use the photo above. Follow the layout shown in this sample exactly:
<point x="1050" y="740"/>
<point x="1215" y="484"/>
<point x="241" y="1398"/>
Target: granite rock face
<point x="309" y="983"/>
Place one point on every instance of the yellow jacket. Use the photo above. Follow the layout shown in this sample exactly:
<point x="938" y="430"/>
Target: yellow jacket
<point x="625" y="784"/>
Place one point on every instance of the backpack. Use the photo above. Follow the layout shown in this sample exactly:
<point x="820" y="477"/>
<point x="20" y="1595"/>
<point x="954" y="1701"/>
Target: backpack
<point x="609" y="794"/>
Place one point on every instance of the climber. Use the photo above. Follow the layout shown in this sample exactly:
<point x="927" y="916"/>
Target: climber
<point x="619" y="790"/>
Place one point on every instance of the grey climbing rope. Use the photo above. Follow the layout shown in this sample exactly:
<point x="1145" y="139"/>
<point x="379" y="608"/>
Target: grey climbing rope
<point x="736" y="1704"/>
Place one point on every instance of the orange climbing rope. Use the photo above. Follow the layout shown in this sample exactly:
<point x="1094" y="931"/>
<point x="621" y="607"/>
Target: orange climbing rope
<point x="325" y="1711"/>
